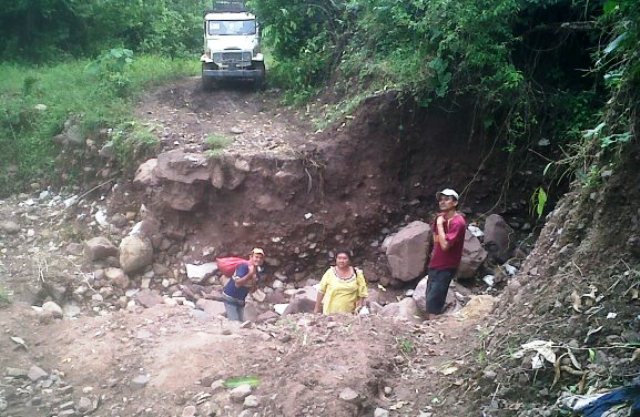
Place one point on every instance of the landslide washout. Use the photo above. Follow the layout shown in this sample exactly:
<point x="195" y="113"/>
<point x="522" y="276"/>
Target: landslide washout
<point x="141" y="348"/>
<point x="302" y="195"/>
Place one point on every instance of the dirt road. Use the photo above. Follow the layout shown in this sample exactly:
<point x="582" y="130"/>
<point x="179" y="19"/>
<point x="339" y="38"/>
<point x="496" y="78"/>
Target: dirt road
<point x="109" y="356"/>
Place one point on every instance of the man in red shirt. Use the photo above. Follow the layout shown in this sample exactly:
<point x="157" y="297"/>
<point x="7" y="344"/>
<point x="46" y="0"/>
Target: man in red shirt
<point x="448" y="239"/>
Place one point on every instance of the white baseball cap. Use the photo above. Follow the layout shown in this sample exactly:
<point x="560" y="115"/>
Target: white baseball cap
<point x="448" y="192"/>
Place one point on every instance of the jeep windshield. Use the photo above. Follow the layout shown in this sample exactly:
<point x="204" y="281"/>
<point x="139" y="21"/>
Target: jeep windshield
<point x="231" y="27"/>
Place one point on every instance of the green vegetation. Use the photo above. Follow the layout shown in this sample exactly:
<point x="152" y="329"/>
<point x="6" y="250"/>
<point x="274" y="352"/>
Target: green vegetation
<point x="36" y="102"/>
<point x="55" y="30"/>
<point x="561" y="71"/>
<point x="216" y="143"/>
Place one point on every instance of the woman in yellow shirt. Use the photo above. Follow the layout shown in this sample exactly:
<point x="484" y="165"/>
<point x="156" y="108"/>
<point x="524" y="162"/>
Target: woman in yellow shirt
<point x="343" y="288"/>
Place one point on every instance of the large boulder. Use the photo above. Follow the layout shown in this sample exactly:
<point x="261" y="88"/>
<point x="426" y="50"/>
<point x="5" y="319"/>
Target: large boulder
<point x="499" y="238"/>
<point x="145" y="174"/>
<point x="136" y="253"/>
<point x="99" y="248"/>
<point x="407" y="250"/>
<point x="405" y="309"/>
<point x="420" y="296"/>
<point x="473" y="255"/>
<point x="303" y="301"/>
<point x="178" y="166"/>
<point x="479" y="306"/>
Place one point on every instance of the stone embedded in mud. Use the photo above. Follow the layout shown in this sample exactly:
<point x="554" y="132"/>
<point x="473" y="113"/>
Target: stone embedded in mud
<point x="135" y="253"/>
<point x="52" y="308"/>
<point x="148" y="298"/>
<point x="140" y="381"/>
<point x="348" y="395"/>
<point x="16" y="373"/>
<point x="239" y="393"/>
<point x="268" y="202"/>
<point x="251" y="401"/>
<point x="407" y="250"/>
<point x="499" y="238"/>
<point x="84" y="405"/>
<point x="479" y="306"/>
<point x="380" y="412"/>
<point x="405" y="309"/>
<point x="189" y="411"/>
<point x="303" y="301"/>
<point x="473" y="255"/>
<point x="36" y="373"/>
<point x="98" y="248"/>
<point x="183" y="197"/>
<point x="145" y="176"/>
<point x="117" y="277"/>
<point x="212" y="308"/>
<point x="9" y="227"/>
<point x="181" y="167"/>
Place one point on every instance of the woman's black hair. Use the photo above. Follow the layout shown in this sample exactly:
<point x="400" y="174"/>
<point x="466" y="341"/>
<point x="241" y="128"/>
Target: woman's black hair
<point x="344" y="251"/>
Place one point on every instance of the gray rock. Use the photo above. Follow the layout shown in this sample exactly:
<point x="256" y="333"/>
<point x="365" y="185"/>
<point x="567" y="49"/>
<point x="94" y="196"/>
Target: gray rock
<point x="84" y="405"/>
<point x="251" y="401"/>
<point x="348" y="395"/>
<point x="107" y="150"/>
<point x="99" y="248"/>
<point x="144" y="174"/>
<point x="212" y="308"/>
<point x="239" y="393"/>
<point x="118" y="220"/>
<point x="135" y="253"/>
<point x="499" y="238"/>
<point x="36" y="373"/>
<point x="52" y="308"/>
<point x="380" y="412"/>
<point x="117" y="277"/>
<point x="189" y="411"/>
<point x="303" y="301"/>
<point x="140" y="381"/>
<point x="9" y="227"/>
<point x="71" y="310"/>
<point x="75" y="249"/>
<point x="71" y="135"/>
<point x="407" y="250"/>
<point x="406" y="309"/>
<point x="148" y="298"/>
<point x="473" y="255"/>
<point x="197" y="273"/>
<point x="17" y="373"/>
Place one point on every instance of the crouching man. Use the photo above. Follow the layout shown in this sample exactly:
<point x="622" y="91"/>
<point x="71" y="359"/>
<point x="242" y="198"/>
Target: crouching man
<point x="244" y="280"/>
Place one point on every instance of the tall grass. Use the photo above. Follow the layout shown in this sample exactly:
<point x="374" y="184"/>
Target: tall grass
<point x="67" y="90"/>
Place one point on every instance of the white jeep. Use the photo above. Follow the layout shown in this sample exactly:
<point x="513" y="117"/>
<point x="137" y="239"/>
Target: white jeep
<point x="231" y="45"/>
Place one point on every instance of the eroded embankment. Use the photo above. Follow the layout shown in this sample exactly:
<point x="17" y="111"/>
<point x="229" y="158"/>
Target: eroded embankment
<point x="308" y="194"/>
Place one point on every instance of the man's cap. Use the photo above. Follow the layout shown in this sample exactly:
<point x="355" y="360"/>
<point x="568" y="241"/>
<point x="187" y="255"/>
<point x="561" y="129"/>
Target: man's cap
<point x="448" y="192"/>
<point x="257" y="251"/>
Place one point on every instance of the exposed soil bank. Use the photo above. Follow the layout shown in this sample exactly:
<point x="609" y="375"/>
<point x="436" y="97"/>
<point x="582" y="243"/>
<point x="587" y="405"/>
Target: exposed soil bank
<point x="301" y="195"/>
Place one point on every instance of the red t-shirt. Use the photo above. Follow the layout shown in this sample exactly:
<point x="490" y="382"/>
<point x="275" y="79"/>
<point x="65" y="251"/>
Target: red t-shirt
<point x="454" y="230"/>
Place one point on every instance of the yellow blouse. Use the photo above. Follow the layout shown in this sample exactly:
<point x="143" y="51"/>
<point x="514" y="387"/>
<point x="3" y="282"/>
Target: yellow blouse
<point x="340" y="295"/>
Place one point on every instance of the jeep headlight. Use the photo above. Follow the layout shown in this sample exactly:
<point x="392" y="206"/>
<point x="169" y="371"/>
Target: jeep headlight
<point x="246" y="56"/>
<point x="217" y="57"/>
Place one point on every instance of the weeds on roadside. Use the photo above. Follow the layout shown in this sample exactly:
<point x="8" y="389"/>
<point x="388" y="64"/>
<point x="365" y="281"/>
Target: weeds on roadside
<point x="36" y="101"/>
<point x="405" y="346"/>
<point x="217" y="143"/>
